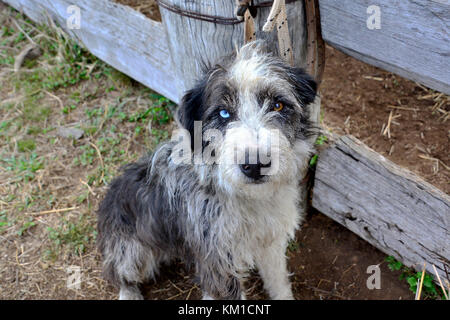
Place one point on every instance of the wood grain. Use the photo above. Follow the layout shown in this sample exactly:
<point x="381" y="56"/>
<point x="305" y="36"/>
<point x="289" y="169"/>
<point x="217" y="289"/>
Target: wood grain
<point x="195" y="43"/>
<point x="388" y="206"/>
<point x="414" y="39"/>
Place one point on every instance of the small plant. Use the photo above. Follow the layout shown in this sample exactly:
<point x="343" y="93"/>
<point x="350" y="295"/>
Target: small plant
<point x="26" y="226"/>
<point x="313" y="160"/>
<point x="429" y="289"/>
<point x="158" y="112"/>
<point x="293" y="246"/>
<point x="24" y="166"/>
<point x="4" y="223"/>
<point x="321" y="140"/>
<point x="73" y="235"/>
<point x="26" y="145"/>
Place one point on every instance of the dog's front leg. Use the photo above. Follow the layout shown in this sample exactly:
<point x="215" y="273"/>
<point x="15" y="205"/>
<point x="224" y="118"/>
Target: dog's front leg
<point x="219" y="285"/>
<point x="272" y="266"/>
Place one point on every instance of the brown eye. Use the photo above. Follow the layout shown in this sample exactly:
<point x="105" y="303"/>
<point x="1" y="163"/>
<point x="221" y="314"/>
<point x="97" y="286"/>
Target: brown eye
<point x="278" y="106"/>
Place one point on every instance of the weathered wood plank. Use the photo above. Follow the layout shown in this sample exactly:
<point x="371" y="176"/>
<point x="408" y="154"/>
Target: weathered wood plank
<point x="120" y="36"/>
<point x="413" y="41"/>
<point x="194" y="43"/>
<point x="386" y="205"/>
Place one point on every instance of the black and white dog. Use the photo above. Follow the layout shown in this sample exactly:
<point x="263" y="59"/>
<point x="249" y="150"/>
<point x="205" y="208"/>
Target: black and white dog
<point x="234" y="204"/>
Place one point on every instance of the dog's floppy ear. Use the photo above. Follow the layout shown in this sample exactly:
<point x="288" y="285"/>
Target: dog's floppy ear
<point x="304" y="84"/>
<point x="191" y="108"/>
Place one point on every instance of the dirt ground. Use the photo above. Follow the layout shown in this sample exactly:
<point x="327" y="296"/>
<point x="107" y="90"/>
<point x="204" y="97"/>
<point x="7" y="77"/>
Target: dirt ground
<point x="359" y="99"/>
<point x="41" y="172"/>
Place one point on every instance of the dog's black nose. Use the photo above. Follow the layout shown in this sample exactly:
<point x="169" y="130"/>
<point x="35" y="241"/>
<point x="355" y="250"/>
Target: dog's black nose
<point x="253" y="171"/>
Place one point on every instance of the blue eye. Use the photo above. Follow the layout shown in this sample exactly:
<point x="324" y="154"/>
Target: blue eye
<point x="224" y="113"/>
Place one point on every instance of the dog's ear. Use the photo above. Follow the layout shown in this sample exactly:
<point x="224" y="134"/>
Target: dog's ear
<point x="191" y="108"/>
<point x="304" y="84"/>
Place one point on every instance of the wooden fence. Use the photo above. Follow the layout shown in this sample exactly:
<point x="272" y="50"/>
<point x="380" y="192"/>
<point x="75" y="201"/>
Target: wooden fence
<point x="389" y="207"/>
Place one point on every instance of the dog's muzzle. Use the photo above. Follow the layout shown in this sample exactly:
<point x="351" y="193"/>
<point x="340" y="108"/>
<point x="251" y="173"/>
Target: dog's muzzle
<point x="254" y="171"/>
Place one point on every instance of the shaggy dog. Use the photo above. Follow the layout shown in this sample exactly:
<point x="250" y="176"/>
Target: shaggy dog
<point x="229" y="201"/>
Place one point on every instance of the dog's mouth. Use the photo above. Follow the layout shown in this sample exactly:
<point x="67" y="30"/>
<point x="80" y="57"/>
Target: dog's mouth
<point x="259" y="180"/>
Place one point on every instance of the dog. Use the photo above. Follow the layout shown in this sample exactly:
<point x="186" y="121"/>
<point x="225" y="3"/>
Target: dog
<point x="220" y="217"/>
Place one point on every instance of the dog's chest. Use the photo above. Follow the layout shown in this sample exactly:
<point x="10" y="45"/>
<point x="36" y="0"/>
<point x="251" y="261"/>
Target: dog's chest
<point x="262" y="223"/>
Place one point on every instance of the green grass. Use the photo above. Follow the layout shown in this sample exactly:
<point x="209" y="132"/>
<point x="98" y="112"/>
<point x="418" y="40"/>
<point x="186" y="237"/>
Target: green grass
<point x="429" y="288"/>
<point x="4" y="222"/>
<point x="26" y="145"/>
<point x="24" y="167"/>
<point x="75" y="236"/>
<point x="26" y="225"/>
<point x="66" y="86"/>
<point x="293" y="246"/>
<point x="321" y="139"/>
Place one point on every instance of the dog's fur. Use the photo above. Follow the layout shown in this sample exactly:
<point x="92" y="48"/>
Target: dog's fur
<point x="211" y="215"/>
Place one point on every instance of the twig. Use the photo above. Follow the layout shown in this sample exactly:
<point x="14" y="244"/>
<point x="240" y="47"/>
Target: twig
<point x="52" y="211"/>
<point x="56" y="98"/>
<point x="190" y="291"/>
<point x="421" y="282"/>
<point x="330" y="293"/>
<point x="30" y="51"/>
<point x="23" y="31"/>
<point x="387" y="130"/>
<point x="373" y="78"/>
<point x="440" y="282"/>
<point x="100" y="158"/>
<point x="438" y="161"/>
<point x="403" y="108"/>
<point x="89" y="187"/>
<point x="176" y="287"/>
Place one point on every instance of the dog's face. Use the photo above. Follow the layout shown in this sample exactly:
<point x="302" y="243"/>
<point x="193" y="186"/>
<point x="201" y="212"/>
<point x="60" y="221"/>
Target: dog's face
<point x="254" y="120"/>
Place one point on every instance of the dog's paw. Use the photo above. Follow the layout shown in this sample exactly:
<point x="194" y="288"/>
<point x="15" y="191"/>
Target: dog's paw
<point x="130" y="294"/>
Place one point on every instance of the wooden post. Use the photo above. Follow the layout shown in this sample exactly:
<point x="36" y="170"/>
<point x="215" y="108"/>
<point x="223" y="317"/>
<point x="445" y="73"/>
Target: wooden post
<point x="412" y="37"/>
<point x="193" y="42"/>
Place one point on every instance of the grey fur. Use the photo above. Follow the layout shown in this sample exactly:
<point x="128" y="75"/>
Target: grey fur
<point x="211" y="216"/>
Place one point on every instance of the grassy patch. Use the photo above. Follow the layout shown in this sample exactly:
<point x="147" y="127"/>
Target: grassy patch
<point x="41" y="170"/>
<point x="74" y="236"/>
<point x="24" y="167"/>
<point x="429" y="288"/>
<point x="26" y="225"/>
<point x="4" y="223"/>
<point x="26" y="145"/>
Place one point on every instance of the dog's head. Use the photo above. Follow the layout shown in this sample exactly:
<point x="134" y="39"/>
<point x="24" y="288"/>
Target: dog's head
<point x="249" y="121"/>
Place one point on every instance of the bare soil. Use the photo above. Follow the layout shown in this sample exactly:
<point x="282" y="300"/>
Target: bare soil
<point x="358" y="99"/>
<point x="148" y="8"/>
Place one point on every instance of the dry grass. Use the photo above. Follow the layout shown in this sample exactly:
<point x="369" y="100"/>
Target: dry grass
<point x="441" y="102"/>
<point x="50" y="186"/>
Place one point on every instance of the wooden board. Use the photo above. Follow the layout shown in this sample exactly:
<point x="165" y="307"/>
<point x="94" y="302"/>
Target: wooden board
<point x="414" y="39"/>
<point x="386" y="205"/>
<point x="118" y="35"/>
<point x="194" y="43"/>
